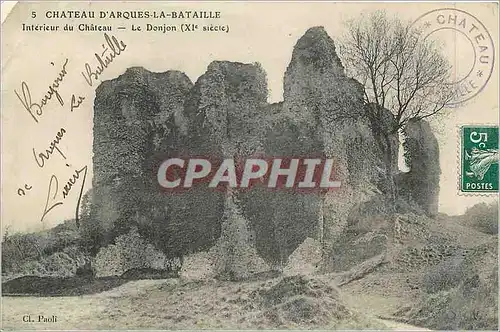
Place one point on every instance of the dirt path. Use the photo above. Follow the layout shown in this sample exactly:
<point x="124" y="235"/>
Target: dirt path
<point x="397" y="326"/>
<point x="379" y="306"/>
<point x="157" y="304"/>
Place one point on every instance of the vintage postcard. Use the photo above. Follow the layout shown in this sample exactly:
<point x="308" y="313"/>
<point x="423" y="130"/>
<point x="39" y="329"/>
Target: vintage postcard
<point x="249" y="165"/>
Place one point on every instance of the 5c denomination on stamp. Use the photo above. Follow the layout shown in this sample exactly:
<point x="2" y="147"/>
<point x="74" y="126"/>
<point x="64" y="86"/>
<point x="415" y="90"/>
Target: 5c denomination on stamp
<point x="468" y="43"/>
<point x="479" y="159"/>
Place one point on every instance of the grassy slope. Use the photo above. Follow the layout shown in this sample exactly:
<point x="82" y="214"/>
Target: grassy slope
<point x="384" y="292"/>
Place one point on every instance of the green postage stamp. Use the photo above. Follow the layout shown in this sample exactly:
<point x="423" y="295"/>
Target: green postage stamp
<point x="479" y="159"/>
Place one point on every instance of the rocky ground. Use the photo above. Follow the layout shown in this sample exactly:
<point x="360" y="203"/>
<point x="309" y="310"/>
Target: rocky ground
<point x="431" y="274"/>
<point x="293" y="302"/>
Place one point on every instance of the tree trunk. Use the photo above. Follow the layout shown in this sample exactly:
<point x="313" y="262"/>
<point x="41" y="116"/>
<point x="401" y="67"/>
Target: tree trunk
<point x="383" y="139"/>
<point x="388" y="160"/>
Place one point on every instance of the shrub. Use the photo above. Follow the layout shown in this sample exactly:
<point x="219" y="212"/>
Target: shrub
<point x="483" y="217"/>
<point x="447" y="274"/>
<point x="130" y="251"/>
<point x="468" y="306"/>
<point x="20" y="249"/>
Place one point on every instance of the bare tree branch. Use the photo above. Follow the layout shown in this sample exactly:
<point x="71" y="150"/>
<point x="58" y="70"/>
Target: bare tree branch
<point x="401" y="69"/>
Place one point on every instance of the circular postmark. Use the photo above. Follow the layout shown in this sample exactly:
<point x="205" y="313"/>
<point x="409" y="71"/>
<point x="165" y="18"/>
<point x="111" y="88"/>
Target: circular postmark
<point x="467" y="45"/>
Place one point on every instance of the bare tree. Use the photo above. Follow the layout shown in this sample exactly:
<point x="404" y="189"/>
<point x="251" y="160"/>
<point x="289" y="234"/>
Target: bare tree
<point x="401" y="69"/>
